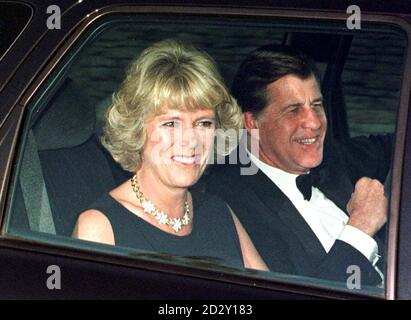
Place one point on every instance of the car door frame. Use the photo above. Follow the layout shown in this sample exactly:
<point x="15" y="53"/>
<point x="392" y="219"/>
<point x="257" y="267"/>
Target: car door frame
<point x="77" y="27"/>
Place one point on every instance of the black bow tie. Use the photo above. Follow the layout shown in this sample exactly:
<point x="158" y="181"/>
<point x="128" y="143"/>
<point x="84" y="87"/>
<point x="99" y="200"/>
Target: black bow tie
<point x="304" y="183"/>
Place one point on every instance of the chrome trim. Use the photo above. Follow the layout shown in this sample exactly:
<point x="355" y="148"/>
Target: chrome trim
<point x="8" y="141"/>
<point x="22" y="30"/>
<point x="219" y="274"/>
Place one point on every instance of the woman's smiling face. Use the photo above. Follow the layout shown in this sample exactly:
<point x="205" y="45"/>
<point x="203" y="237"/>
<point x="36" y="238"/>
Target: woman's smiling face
<point x="178" y="146"/>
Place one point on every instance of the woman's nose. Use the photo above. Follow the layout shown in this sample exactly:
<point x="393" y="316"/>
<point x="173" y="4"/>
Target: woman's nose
<point x="189" y="138"/>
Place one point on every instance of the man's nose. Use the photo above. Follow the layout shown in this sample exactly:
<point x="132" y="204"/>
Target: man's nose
<point x="312" y="118"/>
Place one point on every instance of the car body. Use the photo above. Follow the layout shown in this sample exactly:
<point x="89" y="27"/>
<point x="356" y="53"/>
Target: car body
<point x="43" y="52"/>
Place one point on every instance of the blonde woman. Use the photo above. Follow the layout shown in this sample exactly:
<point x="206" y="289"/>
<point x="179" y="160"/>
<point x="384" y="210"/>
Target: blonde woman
<point x="161" y="127"/>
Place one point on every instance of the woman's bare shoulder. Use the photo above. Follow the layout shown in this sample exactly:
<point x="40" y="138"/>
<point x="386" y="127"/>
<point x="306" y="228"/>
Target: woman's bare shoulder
<point x="93" y="225"/>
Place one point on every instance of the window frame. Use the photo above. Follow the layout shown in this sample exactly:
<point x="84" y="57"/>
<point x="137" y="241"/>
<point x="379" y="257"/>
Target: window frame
<point x="23" y="26"/>
<point x="88" y="22"/>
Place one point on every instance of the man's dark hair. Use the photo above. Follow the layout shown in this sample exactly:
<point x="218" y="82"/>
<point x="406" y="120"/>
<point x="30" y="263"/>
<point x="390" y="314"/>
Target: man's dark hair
<point x="264" y="66"/>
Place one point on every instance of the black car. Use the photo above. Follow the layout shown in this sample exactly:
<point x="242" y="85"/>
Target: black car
<point x="61" y="61"/>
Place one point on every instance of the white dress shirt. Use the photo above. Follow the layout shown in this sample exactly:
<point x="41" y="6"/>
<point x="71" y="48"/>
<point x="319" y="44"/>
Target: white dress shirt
<point x="326" y="220"/>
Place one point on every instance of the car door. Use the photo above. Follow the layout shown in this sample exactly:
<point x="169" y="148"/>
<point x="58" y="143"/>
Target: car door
<point x="53" y="106"/>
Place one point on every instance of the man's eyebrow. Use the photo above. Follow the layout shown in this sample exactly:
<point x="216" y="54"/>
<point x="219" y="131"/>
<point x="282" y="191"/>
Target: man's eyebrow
<point x="292" y="105"/>
<point x="299" y="104"/>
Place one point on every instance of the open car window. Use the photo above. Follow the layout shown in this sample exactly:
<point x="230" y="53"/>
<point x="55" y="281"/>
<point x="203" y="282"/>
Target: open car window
<point x="62" y="167"/>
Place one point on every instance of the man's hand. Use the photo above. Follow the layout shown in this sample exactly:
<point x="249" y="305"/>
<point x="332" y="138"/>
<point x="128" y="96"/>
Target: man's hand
<point x="368" y="206"/>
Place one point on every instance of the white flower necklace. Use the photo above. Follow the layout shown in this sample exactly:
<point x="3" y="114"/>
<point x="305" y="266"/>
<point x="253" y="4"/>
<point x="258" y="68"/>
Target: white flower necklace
<point x="175" y="223"/>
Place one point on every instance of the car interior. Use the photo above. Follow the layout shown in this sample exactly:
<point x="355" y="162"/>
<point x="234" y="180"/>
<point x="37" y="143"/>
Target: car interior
<point x="65" y="166"/>
<point x="62" y="167"/>
<point x="64" y="163"/>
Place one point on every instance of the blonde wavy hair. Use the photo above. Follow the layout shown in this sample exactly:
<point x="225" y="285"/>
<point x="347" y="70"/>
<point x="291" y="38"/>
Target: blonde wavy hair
<point x="168" y="74"/>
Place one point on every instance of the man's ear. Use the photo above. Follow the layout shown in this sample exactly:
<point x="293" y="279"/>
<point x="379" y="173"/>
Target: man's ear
<point x="250" y="122"/>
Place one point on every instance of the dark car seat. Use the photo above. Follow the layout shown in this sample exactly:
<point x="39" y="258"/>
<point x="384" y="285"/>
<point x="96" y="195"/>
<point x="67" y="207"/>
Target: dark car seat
<point x="75" y="167"/>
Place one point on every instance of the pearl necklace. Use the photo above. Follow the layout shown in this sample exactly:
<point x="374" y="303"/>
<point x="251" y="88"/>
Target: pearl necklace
<point x="162" y="218"/>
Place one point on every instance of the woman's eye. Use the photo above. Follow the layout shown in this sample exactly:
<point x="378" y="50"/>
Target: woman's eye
<point x="205" y="124"/>
<point x="170" y="124"/>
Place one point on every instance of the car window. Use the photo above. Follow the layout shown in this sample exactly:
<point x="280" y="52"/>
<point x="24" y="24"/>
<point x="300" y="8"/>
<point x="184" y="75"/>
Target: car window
<point x="62" y="168"/>
<point x="13" y="19"/>
<point x="371" y="82"/>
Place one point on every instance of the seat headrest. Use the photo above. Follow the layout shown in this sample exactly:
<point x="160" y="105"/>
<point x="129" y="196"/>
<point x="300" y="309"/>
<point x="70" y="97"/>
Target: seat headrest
<point x="68" y="120"/>
<point x="101" y="109"/>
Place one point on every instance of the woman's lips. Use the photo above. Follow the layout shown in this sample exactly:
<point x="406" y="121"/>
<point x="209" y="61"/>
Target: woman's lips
<point x="186" y="160"/>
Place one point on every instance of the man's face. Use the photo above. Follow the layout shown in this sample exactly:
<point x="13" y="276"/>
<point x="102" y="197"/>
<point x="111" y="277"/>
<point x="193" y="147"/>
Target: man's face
<point x="292" y="127"/>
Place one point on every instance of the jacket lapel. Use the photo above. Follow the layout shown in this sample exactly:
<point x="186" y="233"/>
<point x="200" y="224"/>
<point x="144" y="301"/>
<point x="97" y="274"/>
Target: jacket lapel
<point x="277" y="204"/>
<point x="334" y="182"/>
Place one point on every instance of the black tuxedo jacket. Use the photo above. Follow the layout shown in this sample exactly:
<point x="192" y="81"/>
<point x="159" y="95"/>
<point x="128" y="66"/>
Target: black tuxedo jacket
<point x="282" y="237"/>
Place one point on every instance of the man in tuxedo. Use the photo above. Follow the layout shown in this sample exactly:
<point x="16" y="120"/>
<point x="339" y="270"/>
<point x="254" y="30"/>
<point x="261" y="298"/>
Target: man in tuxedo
<point x="330" y="227"/>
